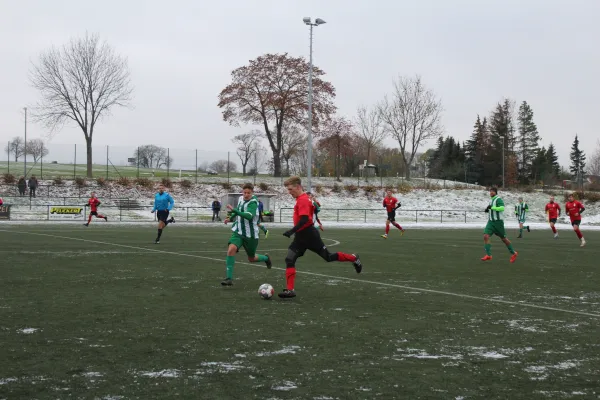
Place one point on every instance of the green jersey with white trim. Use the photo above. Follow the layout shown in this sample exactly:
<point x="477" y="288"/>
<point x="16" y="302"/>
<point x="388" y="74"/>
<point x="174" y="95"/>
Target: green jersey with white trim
<point x="246" y="218"/>
<point x="496" y="209"/>
<point x="521" y="210"/>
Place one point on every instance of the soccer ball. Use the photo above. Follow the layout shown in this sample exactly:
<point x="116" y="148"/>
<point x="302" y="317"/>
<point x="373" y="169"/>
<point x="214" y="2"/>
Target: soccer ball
<point x="266" y="291"/>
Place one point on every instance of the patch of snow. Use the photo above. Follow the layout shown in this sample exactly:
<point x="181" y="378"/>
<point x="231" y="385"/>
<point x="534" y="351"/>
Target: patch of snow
<point x="4" y="381"/>
<point x="285" y="386"/>
<point x="285" y="350"/>
<point x="28" y="331"/>
<point x="92" y="374"/>
<point x="224" y="367"/>
<point x="165" y="373"/>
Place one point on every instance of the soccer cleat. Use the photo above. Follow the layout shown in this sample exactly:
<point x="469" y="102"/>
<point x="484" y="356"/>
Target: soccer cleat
<point x="171" y="220"/>
<point x="86" y="224"/>
<point x="520" y="237"/>
<point x="528" y="230"/>
<point x="267" y="236"/>
<point x="156" y="241"/>
<point x="287" y="294"/>
<point x="384" y="236"/>
<point x="582" y="242"/>
<point x="513" y="258"/>
<point x="227" y="282"/>
<point x="556" y="235"/>
<point x="357" y="264"/>
<point x="402" y="232"/>
<point x="486" y="258"/>
<point x="268" y="262"/>
<point x="105" y="219"/>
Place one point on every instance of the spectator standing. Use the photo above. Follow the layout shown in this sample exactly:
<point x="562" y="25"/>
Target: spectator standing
<point x="261" y="209"/>
<point x="22" y="186"/>
<point x="33" y="185"/>
<point x="216" y="208"/>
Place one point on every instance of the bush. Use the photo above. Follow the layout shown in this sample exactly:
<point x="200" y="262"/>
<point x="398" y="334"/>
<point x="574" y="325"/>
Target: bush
<point x="80" y="182"/>
<point x="58" y="181"/>
<point x="589" y="197"/>
<point x="101" y="182"/>
<point x="186" y="183"/>
<point x="351" y="188"/>
<point x="263" y="186"/>
<point x="319" y="189"/>
<point x="167" y="183"/>
<point x="124" y="181"/>
<point x="370" y="190"/>
<point x="336" y="188"/>
<point x="144" y="182"/>
<point x="9" y="178"/>
<point x="226" y="185"/>
<point x="404" y="188"/>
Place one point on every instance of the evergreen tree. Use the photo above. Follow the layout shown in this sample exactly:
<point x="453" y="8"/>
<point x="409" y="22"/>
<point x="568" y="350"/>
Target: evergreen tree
<point x="475" y="150"/>
<point x="552" y="161"/>
<point x="540" y="166"/>
<point x="527" y="142"/>
<point x="577" y="159"/>
<point x="501" y="134"/>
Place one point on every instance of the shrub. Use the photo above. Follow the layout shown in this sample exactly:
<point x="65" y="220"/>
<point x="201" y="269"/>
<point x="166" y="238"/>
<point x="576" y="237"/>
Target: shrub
<point x="351" y="188"/>
<point x="124" y="181"/>
<point x="336" y="188"/>
<point x="144" y="182"/>
<point x="592" y="197"/>
<point x="370" y="190"/>
<point x="167" y="183"/>
<point x="226" y="185"/>
<point x="186" y="183"/>
<point x="80" y="182"/>
<point x="9" y="178"/>
<point x="101" y="182"/>
<point x="319" y="189"/>
<point x="404" y="188"/>
<point x="58" y="180"/>
<point x="263" y="186"/>
<point x="528" y="189"/>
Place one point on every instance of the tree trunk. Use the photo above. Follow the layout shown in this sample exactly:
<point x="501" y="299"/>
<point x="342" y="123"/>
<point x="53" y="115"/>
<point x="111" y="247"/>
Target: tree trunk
<point x="277" y="164"/>
<point x="406" y="171"/>
<point x="88" y="144"/>
<point x="244" y="168"/>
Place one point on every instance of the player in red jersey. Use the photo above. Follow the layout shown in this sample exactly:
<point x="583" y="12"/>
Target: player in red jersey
<point x="391" y="204"/>
<point x="574" y="208"/>
<point x="553" y="211"/>
<point x="94" y="203"/>
<point x="306" y="237"/>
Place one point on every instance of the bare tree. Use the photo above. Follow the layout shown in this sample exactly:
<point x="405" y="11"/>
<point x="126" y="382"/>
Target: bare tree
<point x="81" y="82"/>
<point x="37" y="149"/>
<point x="258" y="158"/>
<point x="151" y="156"/>
<point x="593" y="167"/>
<point x="203" y="167"/>
<point x="412" y="115"/>
<point x="15" y="147"/>
<point x="292" y="143"/>
<point x="370" y="128"/>
<point x="246" y="147"/>
<point x="335" y="139"/>
<point x="221" y="166"/>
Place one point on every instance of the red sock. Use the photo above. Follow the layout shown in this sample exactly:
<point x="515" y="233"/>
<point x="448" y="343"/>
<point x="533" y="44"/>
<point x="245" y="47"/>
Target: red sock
<point x="553" y="229"/>
<point x="578" y="233"/>
<point x="346" y="257"/>
<point x="89" y="219"/>
<point x="387" y="229"/>
<point x="100" y="216"/>
<point x="397" y="225"/>
<point x="290" y="276"/>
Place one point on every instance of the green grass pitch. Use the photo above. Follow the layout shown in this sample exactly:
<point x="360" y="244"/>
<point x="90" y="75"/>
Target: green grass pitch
<point x="101" y="312"/>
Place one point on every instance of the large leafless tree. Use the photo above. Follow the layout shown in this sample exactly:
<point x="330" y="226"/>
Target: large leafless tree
<point x="272" y="90"/>
<point x="81" y="83"/>
<point x="37" y="149"/>
<point x="293" y="142"/>
<point x="370" y="129"/>
<point x="246" y="147"/>
<point x="412" y="115"/>
<point x="151" y="156"/>
<point x="15" y="147"/>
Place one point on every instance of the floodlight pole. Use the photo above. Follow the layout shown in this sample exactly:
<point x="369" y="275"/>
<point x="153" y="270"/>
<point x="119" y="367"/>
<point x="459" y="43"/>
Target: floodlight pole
<point x="25" y="146"/>
<point x="502" y="161"/>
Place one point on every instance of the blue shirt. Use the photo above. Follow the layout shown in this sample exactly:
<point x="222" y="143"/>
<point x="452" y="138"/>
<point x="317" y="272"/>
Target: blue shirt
<point x="163" y="202"/>
<point x="260" y="206"/>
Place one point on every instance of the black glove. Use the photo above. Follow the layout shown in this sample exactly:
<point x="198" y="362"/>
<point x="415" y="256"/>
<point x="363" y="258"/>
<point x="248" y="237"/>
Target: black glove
<point x="488" y="208"/>
<point x="398" y="206"/>
<point x="288" y="233"/>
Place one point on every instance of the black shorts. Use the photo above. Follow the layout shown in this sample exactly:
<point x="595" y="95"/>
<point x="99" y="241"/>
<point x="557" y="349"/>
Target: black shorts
<point x="553" y="220"/>
<point x="573" y="223"/>
<point x="162" y="215"/>
<point x="94" y="213"/>
<point x="391" y="216"/>
<point x="307" y="239"/>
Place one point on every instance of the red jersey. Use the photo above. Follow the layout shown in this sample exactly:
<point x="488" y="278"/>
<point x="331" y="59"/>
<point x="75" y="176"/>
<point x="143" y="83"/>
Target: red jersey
<point x="94" y="203"/>
<point x="553" y="210"/>
<point x="304" y="206"/>
<point x="573" y="208"/>
<point x="390" y="203"/>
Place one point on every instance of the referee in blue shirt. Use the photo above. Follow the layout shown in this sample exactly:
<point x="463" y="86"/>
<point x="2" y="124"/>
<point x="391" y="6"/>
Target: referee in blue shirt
<point x="163" y="203"/>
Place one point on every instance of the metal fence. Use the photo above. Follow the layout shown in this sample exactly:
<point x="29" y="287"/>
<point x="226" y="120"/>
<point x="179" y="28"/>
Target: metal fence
<point x="377" y="215"/>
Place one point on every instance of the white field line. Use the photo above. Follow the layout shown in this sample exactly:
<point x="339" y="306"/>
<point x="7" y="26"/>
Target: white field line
<point x="440" y="292"/>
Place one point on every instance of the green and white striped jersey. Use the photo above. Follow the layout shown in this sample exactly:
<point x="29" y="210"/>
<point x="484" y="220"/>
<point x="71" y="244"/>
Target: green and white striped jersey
<point x="521" y="210"/>
<point x="498" y="215"/>
<point x="246" y="218"/>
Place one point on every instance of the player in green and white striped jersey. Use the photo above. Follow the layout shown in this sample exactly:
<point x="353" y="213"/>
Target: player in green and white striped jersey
<point x="245" y="218"/>
<point x="521" y="211"/>
<point x="495" y="226"/>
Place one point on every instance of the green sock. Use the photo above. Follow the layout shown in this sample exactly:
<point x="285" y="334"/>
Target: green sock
<point x="488" y="249"/>
<point x="510" y="248"/>
<point x="262" y="258"/>
<point x="521" y="232"/>
<point x="262" y="228"/>
<point x="229" y="262"/>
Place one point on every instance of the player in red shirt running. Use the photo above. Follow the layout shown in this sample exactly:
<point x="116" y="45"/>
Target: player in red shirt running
<point x="306" y="237"/>
<point x="391" y="204"/>
<point x="94" y="203"/>
<point x="553" y="211"/>
<point x="574" y="208"/>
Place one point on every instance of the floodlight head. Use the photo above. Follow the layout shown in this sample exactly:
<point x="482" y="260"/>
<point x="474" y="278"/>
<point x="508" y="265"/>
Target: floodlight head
<point x="306" y="20"/>
<point x="319" y="21"/>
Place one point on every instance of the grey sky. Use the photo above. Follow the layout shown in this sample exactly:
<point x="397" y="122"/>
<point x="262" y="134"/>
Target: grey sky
<point x="471" y="52"/>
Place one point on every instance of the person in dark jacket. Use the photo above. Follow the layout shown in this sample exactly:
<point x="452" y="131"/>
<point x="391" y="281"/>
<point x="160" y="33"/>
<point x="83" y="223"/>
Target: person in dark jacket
<point x="22" y="186"/>
<point x="216" y="208"/>
<point x="33" y="185"/>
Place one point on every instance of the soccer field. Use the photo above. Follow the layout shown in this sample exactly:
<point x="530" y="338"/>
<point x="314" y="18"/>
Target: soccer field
<point x="101" y="312"/>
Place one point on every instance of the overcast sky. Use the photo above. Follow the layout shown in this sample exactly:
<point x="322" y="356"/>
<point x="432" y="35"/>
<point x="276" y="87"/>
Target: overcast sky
<point x="473" y="53"/>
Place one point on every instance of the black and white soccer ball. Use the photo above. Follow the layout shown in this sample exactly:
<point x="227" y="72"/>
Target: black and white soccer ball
<point x="266" y="291"/>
